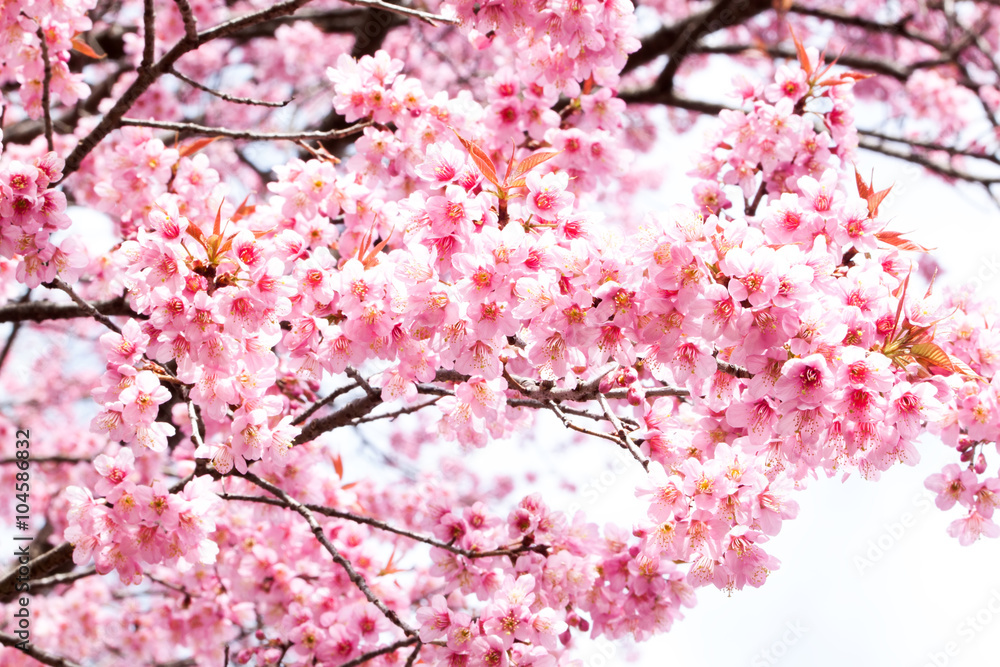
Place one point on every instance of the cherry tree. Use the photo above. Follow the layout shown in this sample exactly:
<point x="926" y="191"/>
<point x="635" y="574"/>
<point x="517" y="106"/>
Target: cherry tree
<point x="421" y="230"/>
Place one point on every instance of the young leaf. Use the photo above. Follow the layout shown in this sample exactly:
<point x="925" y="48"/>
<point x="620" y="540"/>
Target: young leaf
<point x="510" y="162"/>
<point x="532" y="161"/>
<point x="481" y="160"/>
<point x="896" y="239"/>
<point x="192" y="147"/>
<point x="864" y="189"/>
<point x="81" y="46"/>
<point x="875" y="199"/>
<point x="800" y="50"/>
<point x="243" y="210"/>
<point x="929" y="354"/>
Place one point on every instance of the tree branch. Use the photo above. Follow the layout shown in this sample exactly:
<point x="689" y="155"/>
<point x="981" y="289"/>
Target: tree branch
<point x="382" y="525"/>
<point x="59" y="284"/>
<point x="46" y="90"/>
<point x="317" y="531"/>
<point x="40" y="311"/>
<point x="193" y="128"/>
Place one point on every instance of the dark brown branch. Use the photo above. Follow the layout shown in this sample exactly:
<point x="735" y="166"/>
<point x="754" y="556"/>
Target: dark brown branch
<point x="192" y="128"/>
<point x="370" y="655"/>
<point x="40" y="311"/>
<point x="48" y="563"/>
<point x="38" y="654"/>
<point x="426" y="17"/>
<point x="60" y="579"/>
<point x="681" y="36"/>
<point x="942" y="169"/>
<point x="47" y="459"/>
<point x="8" y="345"/>
<point x="25" y="131"/>
<point x="896" y="28"/>
<point x="879" y="66"/>
<point x="89" y="309"/>
<point x="46" y="90"/>
<point x="147" y="76"/>
<point x="932" y="146"/>
<point x="340" y="391"/>
<point x="149" y="35"/>
<point x="397" y="413"/>
<point x="187" y="16"/>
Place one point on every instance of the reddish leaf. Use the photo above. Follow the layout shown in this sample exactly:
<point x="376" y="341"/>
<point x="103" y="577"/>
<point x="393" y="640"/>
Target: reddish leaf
<point x="929" y="354"/>
<point x="800" y="50"/>
<point x="371" y="260"/>
<point x="510" y="162"/>
<point x="519" y="183"/>
<point x="481" y="159"/>
<point x="196" y="233"/>
<point x="896" y="239"/>
<point x="193" y="147"/>
<point x="532" y="161"/>
<point x="243" y="210"/>
<point x="217" y="227"/>
<point x="901" y="292"/>
<point x="864" y="189"/>
<point x="857" y="76"/>
<point x="338" y="466"/>
<point x="875" y="199"/>
<point x="81" y="46"/>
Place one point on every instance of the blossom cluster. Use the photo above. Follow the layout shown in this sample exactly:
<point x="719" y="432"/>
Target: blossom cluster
<point x="30" y="211"/>
<point x="138" y="523"/>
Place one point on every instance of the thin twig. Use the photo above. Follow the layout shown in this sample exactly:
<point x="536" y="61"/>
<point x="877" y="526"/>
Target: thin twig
<point x="224" y="96"/>
<point x="426" y="17"/>
<point x="60" y="579"/>
<point x="395" y="646"/>
<point x="9" y="344"/>
<point x="193" y="128"/>
<point x="58" y="283"/>
<point x="413" y="656"/>
<point x="195" y="425"/>
<point x="576" y="427"/>
<point x="396" y="413"/>
<point x="46" y="90"/>
<point x="40" y="311"/>
<point x="389" y="528"/>
<point x="340" y="391"/>
<point x="623" y="434"/>
<point x="48" y="459"/>
<point x="338" y="558"/>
